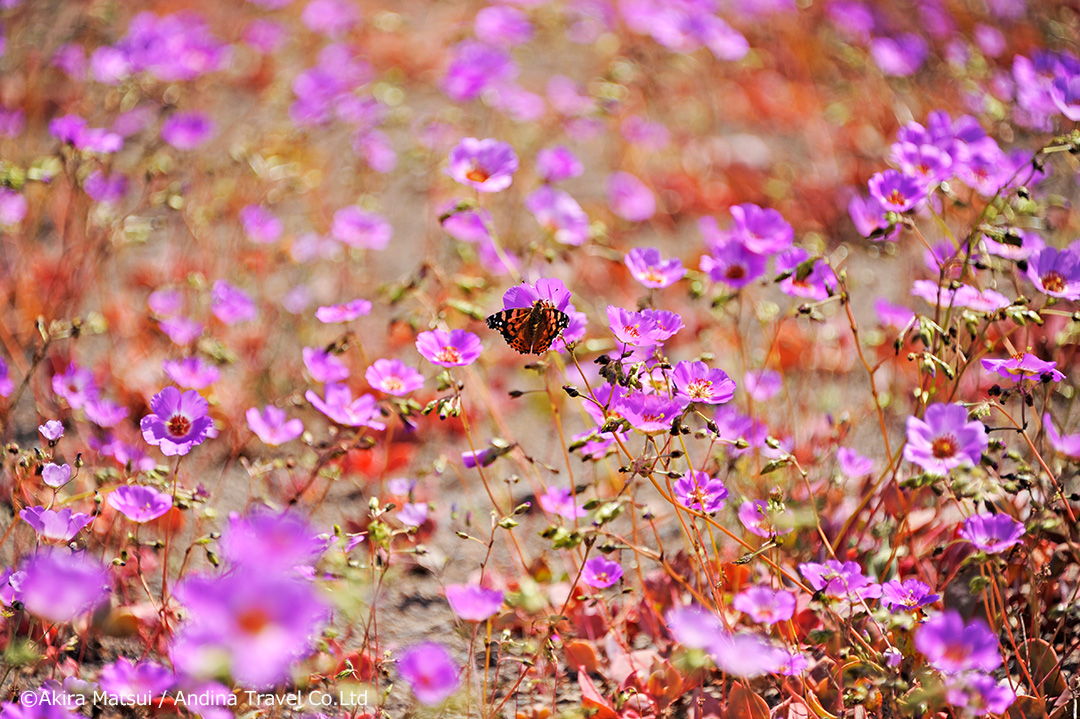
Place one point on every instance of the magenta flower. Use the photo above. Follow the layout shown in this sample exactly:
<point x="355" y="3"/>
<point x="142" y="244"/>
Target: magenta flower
<point x="759" y="519"/>
<point x="992" y="533"/>
<point x="700" y="492"/>
<point x="899" y="56"/>
<point x="896" y="192"/>
<point x="650" y="413"/>
<point x="474" y="603"/>
<point x="187" y="130"/>
<point x="839" y="581"/>
<point x="456" y="348"/>
<point x="413" y="514"/>
<point x="944" y="439"/>
<point x="853" y="464"/>
<point x="1025" y="366"/>
<point x="7" y="386"/>
<point x="59" y="586"/>
<point x="636" y="329"/>
<point x="135" y="681"/>
<point x="487" y="165"/>
<point x="600" y="573"/>
<point x="694" y="627"/>
<point x="230" y="304"/>
<point x="732" y="263"/>
<point x="1067" y="445"/>
<point x="52" y="430"/>
<point x="987" y="301"/>
<point x="815" y="286"/>
<point x="907" y="595"/>
<point x="55" y="525"/>
<point x="559" y="214"/>
<point x="138" y="503"/>
<point x="191" y="372"/>
<point x="952" y="647"/>
<point x="1056" y="272"/>
<point x="341" y="408"/>
<point x="272" y="425"/>
<point x="558" y="163"/>
<point x="762" y="231"/>
<point x="502" y="25"/>
<point x="165" y="303"/>
<point x="763" y="384"/>
<point x="698" y="383"/>
<point x="330" y="17"/>
<point x="430" y="672"/>
<point x="323" y="366"/>
<point x="260" y="224"/>
<point x="393" y="377"/>
<point x="181" y="330"/>
<point x="560" y="501"/>
<point x="547" y="289"/>
<point x="470" y="225"/>
<point x="266" y="36"/>
<point x="359" y="228"/>
<point x="13" y="207"/>
<point x="747" y="655"/>
<point x="868" y="216"/>
<point x="250" y="623"/>
<point x="649" y="267"/>
<point x="647" y="135"/>
<point x="76" y="385"/>
<point x="979" y="694"/>
<point x="106" y="189"/>
<point x="629" y="198"/>
<point x="56" y="475"/>
<point x="179" y="421"/>
<point x="104" y="412"/>
<point x="765" y="605"/>
<point x="475" y="67"/>
<point x="346" y="312"/>
<point x="268" y="539"/>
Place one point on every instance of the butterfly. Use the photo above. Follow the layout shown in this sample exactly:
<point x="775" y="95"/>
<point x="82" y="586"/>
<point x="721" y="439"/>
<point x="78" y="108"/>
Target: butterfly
<point x="530" y="330"/>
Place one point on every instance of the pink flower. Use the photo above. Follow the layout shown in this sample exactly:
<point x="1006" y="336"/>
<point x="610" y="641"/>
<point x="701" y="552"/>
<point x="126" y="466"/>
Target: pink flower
<point x="474" y="603"/>
<point x="272" y="426"/>
<point x="629" y="198"/>
<point x="179" y="421"/>
<point x="456" y="348"/>
<point x="340" y="407"/>
<point x="487" y="165"/>
<point x="599" y="572"/>
<point x="356" y="227"/>
<point x="393" y="377"/>
<point x="187" y="130"/>
<point x="430" y="671"/>
<point x="138" y="503"/>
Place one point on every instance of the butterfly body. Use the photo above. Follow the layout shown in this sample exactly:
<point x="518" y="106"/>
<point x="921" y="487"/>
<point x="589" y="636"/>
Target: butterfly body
<point x="530" y="330"/>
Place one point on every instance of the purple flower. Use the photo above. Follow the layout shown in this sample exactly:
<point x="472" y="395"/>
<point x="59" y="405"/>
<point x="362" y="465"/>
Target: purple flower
<point x="135" y="681"/>
<point x="272" y="426"/>
<point x="698" y="383"/>
<point x="179" y="421"/>
<point x="466" y="225"/>
<point x="763" y="231"/>
<point x="346" y="312"/>
<point x="165" y="303"/>
<point x="1067" y="445"/>
<point x="230" y="304"/>
<point x="1022" y="367"/>
<point x="648" y="135"/>
<point x="600" y="573"/>
<point x="268" y="539"/>
<point x="907" y="595"/>
<point x="266" y="36"/>
<point x="456" y="348"/>
<point x="952" y="647"/>
<point x="501" y="25"/>
<point x="546" y="289"/>
<point x="487" y="165"/>
<point x="853" y="464"/>
<point x="359" y="228"/>
<point x="839" y="581"/>
<point x="104" y="413"/>
<point x="1065" y="90"/>
<point x="868" y="216"/>
<point x="330" y="17"/>
<point x="629" y="198"/>
<point x="181" y="330"/>
<point x="560" y="501"/>
<point x="59" y="586"/>
<point x="413" y="514"/>
<point x="251" y="623"/>
<point x="473" y="603"/>
<point x="1056" y="272"/>
<point x="558" y="163"/>
<point x="700" y="492"/>
<point x="52" y="430"/>
<point x="896" y="192"/>
<point x="636" y="329"/>
<point x="747" y="655"/>
<point x="55" y="525"/>
<point x="323" y="366"/>
<point x="393" y="377"/>
<point x="341" y="408"/>
<point x="191" y="372"/>
<point x="430" y="672"/>
<point x="816" y="285"/>
<point x="765" y="605"/>
<point x="649" y="267"/>
<point x="929" y="163"/>
<point x="76" y="385"/>
<point x="559" y="214"/>
<point x="987" y="301"/>
<point x="13" y="207"/>
<point x="475" y="67"/>
<point x="187" y="130"/>
<point x="732" y="263"/>
<point x="992" y="533"/>
<point x="900" y="56"/>
<point x="762" y="385"/>
<point x="760" y="519"/>
<point x="979" y="694"/>
<point x="944" y="439"/>
<point x="107" y="189"/>
<point x="7" y="386"/>
<point x="138" y="503"/>
<point x="650" y="413"/>
<point x="56" y="475"/>
<point x="260" y="224"/>
<point x="693" y="626"/>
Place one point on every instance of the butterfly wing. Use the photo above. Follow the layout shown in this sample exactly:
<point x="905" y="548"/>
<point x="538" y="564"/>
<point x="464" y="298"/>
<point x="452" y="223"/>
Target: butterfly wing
<point x="530" y="330"/>
<point x="513" y="326"/>
<point x="547" y="327"/>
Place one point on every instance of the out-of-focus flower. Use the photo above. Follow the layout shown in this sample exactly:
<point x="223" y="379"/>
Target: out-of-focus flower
<point x="7" y="385"/>
<point x="187" y="130"/>
<point x="138" y="503"/>
<point x="978" y="694"/>
<point x="55" y="525"/>
<point x="456" y="348"/>
<point x="560" y="214"/>
<point x="475" y="67"/>
<point x="104" y="412"/>
<point x="59" y="586"/>
<point x="191" y="372"/>
<point x="944" y="439"/>
<point x="346" y="312"/>
<point x="1056" y="272"/>
<point x="340" y="407"/>
<point x="649" y="267"/>
<point x="76" y="385"/>
<point x="230" y="304"/>
<point x="629" y="198"/>
<point x="907" y="595"/>
<point x="356" y="227"/>
<point x="135" y="681"/>
<point x="840" y="580"/>
<point x="413" y="514"/>
<point x="747" y="655"/>
<point x="765" y="605"/>
<point x="895" y="191"/>
<point x="992" y="533"/>
<point x="178" y="421"/>
<point x="762" y="385"/>
<point x="474" y="603"/>
<point x="558" y="163"/>
<point x="1067" y="445"/>
<point x="13" y="207"/>
<point x="430" y="672"/>
<point x="759" y="519"/>
<point x="466" y="225"/>
<point x="487" y="165"/>
<point x="324" y="366"/>
<point x="952" y="647"/>
<point x="260" y="224"/>
<point x="56" y="475"/>
<point x="273" y="426"/>
<point x="900" y="56"/>
<point x="560" y="501"/>
<point x="266" y="36"/>
<point x="853" y="464"/>
<point x="332" y="18"/>
<point x="988" y="301"/>
<point x="502" y="25"/>
<point x="265" y="539"/>
<point x="393" y="377"/>
<point x="600" y="572"/>
<point x="701" y="492"/>
<point x="107" y="189"/>
<point x="52" y="430"/>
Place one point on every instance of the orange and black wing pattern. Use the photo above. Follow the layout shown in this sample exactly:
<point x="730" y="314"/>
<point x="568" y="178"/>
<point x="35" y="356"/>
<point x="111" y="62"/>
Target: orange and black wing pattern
<point x="530" y="330"/>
